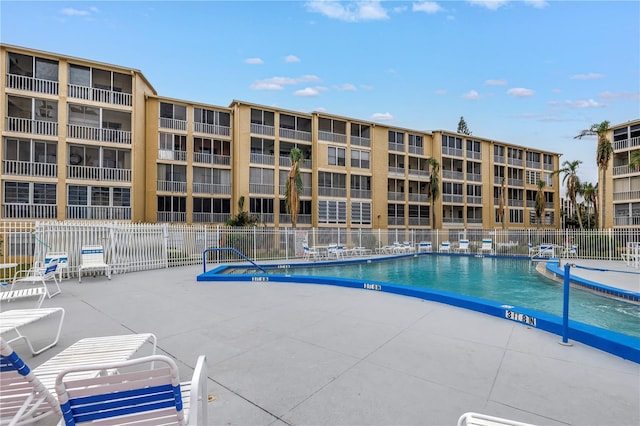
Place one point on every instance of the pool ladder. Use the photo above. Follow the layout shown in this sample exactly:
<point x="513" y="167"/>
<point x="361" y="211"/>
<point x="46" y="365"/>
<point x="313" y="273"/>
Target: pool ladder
<point x="204" y="257"/>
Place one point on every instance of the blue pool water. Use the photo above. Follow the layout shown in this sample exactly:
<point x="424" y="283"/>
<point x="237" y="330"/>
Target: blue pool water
<point x="509" y="282"/>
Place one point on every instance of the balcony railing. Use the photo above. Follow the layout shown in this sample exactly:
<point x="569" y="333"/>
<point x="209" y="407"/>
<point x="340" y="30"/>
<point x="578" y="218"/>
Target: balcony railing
<point x="360" y="141"/>
<point x="179" y="217"/>
<point x="420" y="173"/>
<point x="167" y="154"/>
<point x="26" y="125"/>
<point x="420" y="198"/>
<point x="98" y="173"/>
<point x="391" y="220"/>
<point x="547" y="166"/>
<point x="514" y="161"/>
<point x="474" y="221"/>
<point x="304" y="219"/>
<point x="99" y="212"/>
<point x="452" y="174"/>
<point x="211" y="188"/>
<point x="361" y="193"/>
<point x="75" y="131"/>
<point x="267" y="159"/>
<point x="515" y="203"/>
<point x="455" y="152"/>
<point x="211" y="129"/>
<point x="262" y="129"/>
<point x="498" y="159"/>
<point x="295" y="134"/>
<point x="23" y="82"/>
<point x="474" y="177"/>
<point x="474" y="199"/>
<point x="211" y="217"/>
<point x="100" y="95"/>
<point x="331" y="137"/>
<point x="515" y="182"/>
<point x="395" y="196"/>
<point x="626" y="143"/>
<point x="325" y="191"/>
<point x="498" y="180"/>
<point x="29" y="211"/>
<point x="623" y="170"/>
<point x="172" y="186"/>
<point x="264" y="217"/>
<point x="452" y="220"/>
<point x="626" y="195"/>
<point x="419" y="221"/>
<point x="261" y="188"/>
<point x="474" y="154"/>
<point x="398" y="147"/>
<point x="171" y="123"/>
<point x="24" y="168"/>
<point x="206" y="158"/>
<point x="533" y="164"/>
<point x="397" y="171"/>
<point x="626" y="221"/>
<point x="453" y="198"/>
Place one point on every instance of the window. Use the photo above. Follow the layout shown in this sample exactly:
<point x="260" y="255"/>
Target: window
<point x="533" y="157"/>
<point x="361" y="213"/>
<point x="360" y="159"/>
<point x="176" y="112"/>
<point x="473" y="168"/>
<point x="262" y="146"/>
<point x="79" y="76"/>
<point x="172" y="173"/>
<point x="396" y="140"/>
<point x="171" y="204"/>
<point x="498" y="150"/>
<point x="80" y="155"/>
<point x="332" y="211"/>
<point x="451" y="142"/>
<point x="82" y="115"/>
<point x="30" y="151"/>
<point x="211" y="205"/>
<point x="292" y="122"/>
<point x="29" y="193"/>
<point x="332" y="126"/>
<point x="516" y="216"/>
<point x="46" y="110"/>
<point x="24" y="65"/>
<point x="265" y="118"/>
<point x="532" y="177"/>
<point x="215" y="118"/>
<point x="473" y="146"/>
<point x="171" y="142"/>
<point x="332" y="180"/>
<point x="360" y="186"/>
<point x="395" y="214"/>
<point x="474" y="190"/>
<point x="548" y="160"/>
<point x="336" y="156"/>
<point x="415" y="141"/>
<point x="360" y="130"/>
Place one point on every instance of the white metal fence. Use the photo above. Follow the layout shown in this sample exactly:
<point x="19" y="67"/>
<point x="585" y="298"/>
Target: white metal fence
<point x="135" y="247"/>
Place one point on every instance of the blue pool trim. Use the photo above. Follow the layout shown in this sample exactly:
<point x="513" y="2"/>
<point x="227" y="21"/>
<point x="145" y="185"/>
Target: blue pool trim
<point x="627" y="347"/>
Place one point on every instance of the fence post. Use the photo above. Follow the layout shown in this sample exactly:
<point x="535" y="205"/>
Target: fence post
<point x="165" y="244"/>
<point x="565" y="306"/>
<point x="286" y="242"/>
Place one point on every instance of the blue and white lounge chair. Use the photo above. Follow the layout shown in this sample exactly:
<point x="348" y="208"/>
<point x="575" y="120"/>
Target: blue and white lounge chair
<point x="92" y="258"/>
<point x="445" y="246"/>
<point x="425" y="246"/>
<point x="39" y="275"/>
<point x="486" y="247"/>
<point x="463" y="246"/>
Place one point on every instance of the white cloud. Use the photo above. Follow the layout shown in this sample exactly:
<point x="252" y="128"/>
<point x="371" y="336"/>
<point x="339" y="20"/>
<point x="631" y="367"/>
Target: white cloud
<point x="495" y="82"/>
<point x="472" y="95"/>
<point x="579" y="104"/>
<point x="278" y="83"/>
<point x="382" y="116"/>
<point x="489" y="4"/>
<point x="634" y="96"/>
<point x="520" y="92"/>
<point x="590" y="76"/>
<point x="321" y="109"/>
<point x="538" y="4"/>
<point x="291" y="58"/>
<point x="265" y="85"/>
<point x="441" y="92"/>
<point x="253" y="61"/>
<point x="346" y="87"/>
<point x="427" y="7"/>
<point x="69" y="11"/>
<point x="350" y="11"/>
<point x="307" y="92"/>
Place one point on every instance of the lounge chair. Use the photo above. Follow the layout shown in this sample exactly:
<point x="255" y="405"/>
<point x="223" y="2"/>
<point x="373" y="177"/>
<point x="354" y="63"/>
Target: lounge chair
<point x="37" y="275"/>
<point x="425" y="246"/>
<point x="149" y="396"/>
<point x="63" y="263"/>
<point x="571" y="251"/>
<point x="310" y="253"/>
<point x="463" y="246"/>
<point x="445" y="246"/>
<point x="13" y="321"/>
<point x="475" y="419"/>
<point x="7" y="296"/>
<point x="486" y="247"/>
<point x="408" y="247"/>
<point x="23" y="398"/>
<point x="92" y="258"/>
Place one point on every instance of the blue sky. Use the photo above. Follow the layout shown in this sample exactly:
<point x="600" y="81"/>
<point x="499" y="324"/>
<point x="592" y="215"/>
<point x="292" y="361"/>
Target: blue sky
<point x="532" y="73"/>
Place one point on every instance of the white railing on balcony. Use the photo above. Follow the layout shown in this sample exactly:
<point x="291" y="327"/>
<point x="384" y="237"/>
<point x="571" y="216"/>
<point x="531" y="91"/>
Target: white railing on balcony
<point x="633" y="142"/>
<point x="515" y="203"/>
<point x="171" y="123"/>
<point x="547" y="166"/>
<point x="451" y="174"/>
<point x="455" y="152"/>
<point x="167" y="154"/>
<point x="399" y="147"/>
<point x="26" y="125"/>
<point x="626" y="221"/>
<point x="398" y="171"/>
<point x="211" y="129"/>
<point x="172" y="186"/>
<point x="179" y="217"/>
<point x="419" y="221"/>
<point x="206" y="158"/>
<point x="392" y="220"/>
<point x="416" y="150"/>
<point x="623" y="170"/>
<point x="474" y="154"/>
<point x="420" y="198"/>
<point x="331" y="137"/>
<point x="497" y="180"/>
<point x="395" y="196"/>
<point x="211" y="217"/>
<point x="211" y="188"/>
<point x="262" y="129"/>
<point x="29" y="211"/>
<point x="530" y="203"/>
<point x="452" y="198"/>
<point x="303" y="219"/>
<point x="420" y="173"/>
<point x="98" y="173"/>
<point x="295" y="134"/>
<point x="452" y="221"/>
<point x="515" y="182"/>
<point x="626" y="195"/>
<point x="256" y="158"/>
<point x="533" y="164"/>
<point x="326" y="191"/>
<point x="474" y="177"/>
<point x="261" y="188"/>
<point x="75" y="131"/>
<point x="361" y="193"/>
<point x="474" y="199"/>
<point x="23" y="82"/>
<point x="99" y="212"/>
<point x="264" y="217"/>
<point x="514" y="161"/>
<point x="498" y="159"/>
<point x="474" y="221"/>
<point x="360" y="141"/>
<point x="99" y="95"/>
<point x="548" y="205"/>
<point x="24" y="168"/>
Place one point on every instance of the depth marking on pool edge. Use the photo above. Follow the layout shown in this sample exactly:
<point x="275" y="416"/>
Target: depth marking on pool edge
<point x="520" y="317"/>
<point x="368" y="286"/>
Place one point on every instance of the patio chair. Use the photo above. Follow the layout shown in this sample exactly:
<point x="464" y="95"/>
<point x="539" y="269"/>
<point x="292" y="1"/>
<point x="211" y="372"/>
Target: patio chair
<point x="475" y="419"/>
<point x="445" y="246"/>
<point x="63" y="263"/>
<point x="463" y="246"/>
<point x="532" y="249"/>
<point x="13" y="321"/>
<point x="486" y="247"/>
<point x="149" y="396"/>
<point x="92" y="258"/>
<point x="37" y="275"/>
<point x="425" y="246"/>
<point x="7" y="296"/>
<point x="408" y="247"/>
<point x="23" y="397"/>
<point x="310" y="253"/>
<point x="571" y="251"/>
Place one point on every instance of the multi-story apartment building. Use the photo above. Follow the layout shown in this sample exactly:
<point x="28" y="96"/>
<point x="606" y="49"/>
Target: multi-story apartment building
<point x="83" y="140"/>
<point x="621" y="202"/>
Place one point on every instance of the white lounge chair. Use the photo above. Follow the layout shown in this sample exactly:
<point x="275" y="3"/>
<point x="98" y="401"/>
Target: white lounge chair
<point x="486" y="247"/>
<point x="63" y="263"/>
<point x="571" y="251"/>
<point x="23" y="398"/>
<point x="425" y="246"/>
<point x="463" y="246"/>
<point x="445" y="246"/>
<point x="13" y="321"/>
<point x="37" y="275"/>
<point x="7" y="296"/>
<point x="92" y="258"/>
<point x="475" y="419"/>
<point x="149" y="396"/>
<point x="310" y="253"/>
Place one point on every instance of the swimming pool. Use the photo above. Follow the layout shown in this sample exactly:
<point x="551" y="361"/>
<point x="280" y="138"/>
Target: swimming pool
<point x="504" y="282"/>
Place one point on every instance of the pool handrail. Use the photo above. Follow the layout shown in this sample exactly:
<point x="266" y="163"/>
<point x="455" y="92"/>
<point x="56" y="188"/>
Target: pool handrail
<point x="204" y="257"/>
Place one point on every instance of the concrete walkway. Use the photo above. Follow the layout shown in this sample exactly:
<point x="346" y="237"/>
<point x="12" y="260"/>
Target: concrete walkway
<point x="322" y="355"/>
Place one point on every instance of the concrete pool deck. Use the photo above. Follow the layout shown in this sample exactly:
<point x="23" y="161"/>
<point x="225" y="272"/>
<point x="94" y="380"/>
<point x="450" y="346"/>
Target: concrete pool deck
<point x="310" y="354"/>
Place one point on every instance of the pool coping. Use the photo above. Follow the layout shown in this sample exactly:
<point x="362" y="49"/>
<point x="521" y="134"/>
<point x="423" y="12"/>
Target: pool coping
<point x="622" y="345"/>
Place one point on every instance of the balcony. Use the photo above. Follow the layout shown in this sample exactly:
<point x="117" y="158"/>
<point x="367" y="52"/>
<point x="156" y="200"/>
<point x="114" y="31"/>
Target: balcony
<point x="211" y="188"/>
<point x="24" y="168"/>
<point x="454" y="152"/>
<point x="626" y="221"/>
<point x="211" y="217"/>
<point x="325" y="191"/>
<point x="211" y="129"/>
<point x="171" y="123"/>
<point x="264" y="217"/>
<point x="257" y="158"/>
<point x="304" y="219"/>
<point x="474" y="177"/>
<point x="261" y="188"/>
<point x="395" y="196"/>
<point x="331" y="137"/>
<point x="498" y="180"/>
<point x="475" y="222"/>
<point x="26" y="125"/>
<point x="419" y="150"/>
<point x="498" y="159"/>
<point x="206" y="158"/>
<point x="515" y="182"/>
<point x="298" y="135"/>
<point x="100" y="95"/>
<point x="32" y="84"/>
<point x="474" y="199"/>
<point x="395" y="220"/>
<point x="419" y="221"/>
<point x="167" y="154"/>
<point x="420" y="198"/>
<point x="172" y="186"/>
<point x="515" y="161"/>
<point x="29" y="211"/>
<point x="360" y="141"/>
<point x="474" y="154"/>
<point x="75" y="131"/>
<point x="179" y="217"/>
<point x="286" y="162"/>
<point x="547" y="166"/>
<point x="452" y="198"/>
<point x="453" y="221"/>
<point x="99" y="173"/>
<point x="623" y="170"/>
<point x="533" y="165"/>
<point x="626" y="195"/>
<point x="361" y="193"/>
<point x="98" y="213"/>
<point x="396" y="171"/>
<point x="425" y="174"/>
<point x="626" y="144"/>
<point x="262" y="129"/>
<point x="515" y="203"/>
<point x="451" y="174"/>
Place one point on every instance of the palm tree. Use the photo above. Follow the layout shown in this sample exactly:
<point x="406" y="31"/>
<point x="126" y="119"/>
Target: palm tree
<point x="294" y="186"/>
<point x="569" y="168"/>
<point x="539" y="203"/>
<point x="434" y="188"/>
<point x="501" y="205"/>
<point x="604" y="151"/>
<point x="634" y="160"/>
<point x="590" y="194"/>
